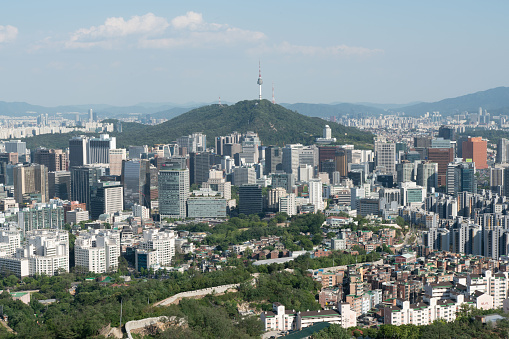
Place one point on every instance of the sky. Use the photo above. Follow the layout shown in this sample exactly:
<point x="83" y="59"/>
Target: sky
<point x="128" y="52"/>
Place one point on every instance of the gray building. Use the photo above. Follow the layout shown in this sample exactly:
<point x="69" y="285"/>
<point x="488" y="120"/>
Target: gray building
<point x="250" y="199"/>
<point x="206" y="207"/>
<point x="136" y="183"/>
<point x="173" y="192"/>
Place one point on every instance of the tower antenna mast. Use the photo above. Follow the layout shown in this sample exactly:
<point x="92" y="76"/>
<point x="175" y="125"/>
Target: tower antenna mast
<point x="273" y="100"/>
<point x="260" y="81"/>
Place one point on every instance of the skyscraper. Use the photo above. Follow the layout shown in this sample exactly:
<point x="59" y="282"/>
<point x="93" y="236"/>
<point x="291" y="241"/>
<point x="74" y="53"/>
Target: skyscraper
<point x="273" y="160"/>
<point x="78" y="151"/>
<point x="461" y="177"/>
<point x="53" y="159"/>
<point x="199" y="165"/>
<point x="441" y="156"/>
<point x="427" y="175"/>
<point x="59" y="185"/>
<point x="250" y="199"/>
<point x="31" y="180"/>
<point x="108" y="199"/>
<point x="173" y="192"/>
<point x="476" y="150"/>
<point x="405" y="171"/>
<point x="117" y="155"/>
<point x="385" y="153"/>
<point x="342" y="162"/>
<point x="84" y="183"/>
<point x="136" y="182"/>
<point x="98" y="151"/>
<point x="447" y="132"/>
<point x="502" y="151"/>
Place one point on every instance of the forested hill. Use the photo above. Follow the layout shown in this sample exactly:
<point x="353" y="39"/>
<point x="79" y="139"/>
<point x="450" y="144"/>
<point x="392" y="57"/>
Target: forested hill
<point x="274" y="124"/>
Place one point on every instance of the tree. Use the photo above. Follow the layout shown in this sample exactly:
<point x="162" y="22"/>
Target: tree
<point x="334" y="331"/>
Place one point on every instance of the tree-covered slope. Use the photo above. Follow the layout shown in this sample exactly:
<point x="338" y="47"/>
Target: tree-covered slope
<point x="274" y="124"/>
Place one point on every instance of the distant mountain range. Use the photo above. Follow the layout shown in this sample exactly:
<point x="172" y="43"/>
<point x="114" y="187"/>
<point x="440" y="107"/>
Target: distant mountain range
<point x="325" y="111"/>
<point x="274" y="124"/>
<point x="495" y="100"/>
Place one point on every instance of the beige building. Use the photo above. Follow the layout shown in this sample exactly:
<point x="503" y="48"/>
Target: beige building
<point x="116" y="157"/>
<point x="30" y="180"/>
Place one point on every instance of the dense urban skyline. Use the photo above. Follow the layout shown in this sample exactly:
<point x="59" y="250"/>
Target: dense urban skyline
<point x="125" y="53"/>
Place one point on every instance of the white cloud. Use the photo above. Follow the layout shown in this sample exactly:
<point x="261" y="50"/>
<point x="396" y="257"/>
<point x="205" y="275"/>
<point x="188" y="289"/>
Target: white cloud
<point x="191" y="20"/>
<point x="191" y="30"/>
<point x="150" y="31"/>
<point x="8" y="33"/>
<point x="115" y="29"/>
<point x="338" y="50"/>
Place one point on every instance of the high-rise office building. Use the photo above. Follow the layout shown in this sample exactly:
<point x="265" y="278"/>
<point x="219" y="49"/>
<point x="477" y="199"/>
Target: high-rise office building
<point x="405" y="171"/>
<point x="283" y="180"/>
<point x="502" y="151"/>
<point x="108" y="199"/>
<point x="16" y="146"/>
<point x="197" y="142"/>
<point x="199" y="166"/>
<point x="98" y="151"/>
<point x="30" y="181"/>
<point x="385" y="153"/>
<point x="273" y="160"/>
<point x="273" y="197"/>
<point x="138" y="152"/>
<point x="53" y="159"/>
<point x="136" y="182"/>
<point x="476" y="150"/>
<point x="291" y="155"/>
<point x="447" y="132"/>
<point x="250" y="199"/>
<point x="325" y="153"/>
<point x="173" y="192"/>
<point x="117" y="155"/>
<point x="496" y="178"/>
<point x="342" y="162"/>
<point x="441" y="156"/>
<point x="78" y="147"/>
<point x="461" y="177"/>
<point x="244" y="176"/>
<point x="59" y="185"/>
<point x="309" y="156"/>
<point x="84" y="183"/>
<point x="427" y="175"/>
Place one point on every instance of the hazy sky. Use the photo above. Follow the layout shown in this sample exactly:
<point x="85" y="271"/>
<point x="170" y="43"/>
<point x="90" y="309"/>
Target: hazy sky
<point x="126" y="52"/>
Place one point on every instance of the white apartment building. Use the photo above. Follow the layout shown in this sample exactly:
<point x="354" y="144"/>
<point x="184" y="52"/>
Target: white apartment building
<point x="45" y="252"/>
<point x="315" y="194"/>
<point x="162" y="242"/>
<point x="423" y="313"/>
<point x="495" y="285"/>
<point x="97" y="251"/>
<point x="280" y="319"/>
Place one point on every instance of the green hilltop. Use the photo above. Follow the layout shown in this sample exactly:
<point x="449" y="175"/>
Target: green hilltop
<point x="274" y="124"/>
